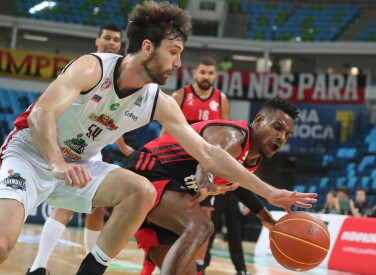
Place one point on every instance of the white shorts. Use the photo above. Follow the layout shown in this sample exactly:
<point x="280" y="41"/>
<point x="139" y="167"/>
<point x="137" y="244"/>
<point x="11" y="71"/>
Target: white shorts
<point x="28" y="181"/>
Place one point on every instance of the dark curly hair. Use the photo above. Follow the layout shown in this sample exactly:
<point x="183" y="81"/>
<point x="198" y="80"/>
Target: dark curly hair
<point x="156" y="21"/>
<point x="281" y="104"/>
<point x="110" y="27"/>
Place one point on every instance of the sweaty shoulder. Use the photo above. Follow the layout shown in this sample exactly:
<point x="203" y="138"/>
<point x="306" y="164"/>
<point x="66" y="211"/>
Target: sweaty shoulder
<point x="86" y="64"/>
<point x="84" y="72"/>
<point x="225" y="130"/>
<point x="228" y="137"/>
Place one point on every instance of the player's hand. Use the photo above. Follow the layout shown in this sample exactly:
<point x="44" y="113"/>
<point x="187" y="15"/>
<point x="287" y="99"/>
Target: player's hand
<point x="202" y="194"/>
<point x="285" y="199"/>
<point x="74" y="175"/>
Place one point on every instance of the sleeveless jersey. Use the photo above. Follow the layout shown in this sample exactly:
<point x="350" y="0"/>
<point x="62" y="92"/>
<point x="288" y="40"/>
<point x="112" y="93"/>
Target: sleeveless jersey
<point x="179" y="164"/>
<point x="97" y="117"/>
<point x="196" y="109"/>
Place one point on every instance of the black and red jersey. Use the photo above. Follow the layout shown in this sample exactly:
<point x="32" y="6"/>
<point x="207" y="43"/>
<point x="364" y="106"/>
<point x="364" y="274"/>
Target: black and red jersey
<point x="179" y="164"/>
<point x="196" y="109"/>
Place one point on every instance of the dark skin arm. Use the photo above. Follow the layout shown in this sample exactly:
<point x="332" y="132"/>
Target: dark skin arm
<point x="230" y="139"/>
<point x="252" y="201"/>
<point x="227" y="138"/>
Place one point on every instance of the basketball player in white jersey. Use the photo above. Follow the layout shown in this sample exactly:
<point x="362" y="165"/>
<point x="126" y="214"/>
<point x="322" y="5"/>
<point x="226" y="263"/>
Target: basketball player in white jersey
<point x="108" y="41"/>
<point x="97" y="98"/>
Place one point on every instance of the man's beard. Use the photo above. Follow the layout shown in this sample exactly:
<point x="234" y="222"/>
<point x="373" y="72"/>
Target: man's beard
<point x="154" y="71"/>
<point x="204" y="85"/>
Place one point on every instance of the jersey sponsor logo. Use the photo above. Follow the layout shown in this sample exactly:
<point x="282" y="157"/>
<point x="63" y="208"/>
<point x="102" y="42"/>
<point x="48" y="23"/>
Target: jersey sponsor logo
<point x="76" y="144"/>
<point x="131" y="115"/>
<point x="190" y="100"/>
<point x="69" y="155"/>
<point x="106" y="84"/>
<point x="105" y="120"/>
<point x="15" y="181"/>
<point x="190" y="182"/>
<point x="138" y="101"/>
<point x="213" y="105"/>
<point x="96" y="98"/>
<point x="114" y="106"/>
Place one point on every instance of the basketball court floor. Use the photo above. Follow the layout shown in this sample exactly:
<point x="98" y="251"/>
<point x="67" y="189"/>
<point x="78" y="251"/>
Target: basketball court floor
<point x="69" y="253"/>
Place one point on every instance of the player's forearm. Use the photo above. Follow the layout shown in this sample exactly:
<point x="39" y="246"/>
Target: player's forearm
<point x="42" y="125"/>
<point x="266" y="218"/>
<point x="231" y="170"/>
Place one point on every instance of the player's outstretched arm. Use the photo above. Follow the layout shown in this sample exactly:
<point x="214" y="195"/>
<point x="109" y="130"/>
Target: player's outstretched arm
<point x="218" y="161"/>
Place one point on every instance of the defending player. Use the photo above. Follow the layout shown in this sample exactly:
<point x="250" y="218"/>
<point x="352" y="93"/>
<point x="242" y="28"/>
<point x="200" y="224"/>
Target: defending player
<point x="177" y="177"/>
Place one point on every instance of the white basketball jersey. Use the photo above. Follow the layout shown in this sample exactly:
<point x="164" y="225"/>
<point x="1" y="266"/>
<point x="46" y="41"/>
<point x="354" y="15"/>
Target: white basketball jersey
<point x="99" y="117"/>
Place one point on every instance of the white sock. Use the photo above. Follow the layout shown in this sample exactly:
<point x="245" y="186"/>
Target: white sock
<point x="51" y="233"/>
<point x="100" y="256"/>
<point x="90" y="239"/>
<point x="200" y="262"/>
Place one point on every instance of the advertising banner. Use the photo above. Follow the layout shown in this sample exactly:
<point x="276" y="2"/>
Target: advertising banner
<point x="355" y="247"/>
<point x="298" y="88"/>
<point x="321" y="127"/>
<point x="31" y="65"/>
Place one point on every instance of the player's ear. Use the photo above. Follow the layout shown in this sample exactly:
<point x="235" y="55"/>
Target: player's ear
<point x="147" y="46"/>
<point x="258" y="119"/>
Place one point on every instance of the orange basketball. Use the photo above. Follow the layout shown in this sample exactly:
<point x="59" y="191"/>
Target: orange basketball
<point x="299" y="241"/>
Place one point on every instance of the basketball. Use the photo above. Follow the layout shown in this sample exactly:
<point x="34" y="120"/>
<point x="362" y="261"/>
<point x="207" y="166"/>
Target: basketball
<point x="299" y="241"/>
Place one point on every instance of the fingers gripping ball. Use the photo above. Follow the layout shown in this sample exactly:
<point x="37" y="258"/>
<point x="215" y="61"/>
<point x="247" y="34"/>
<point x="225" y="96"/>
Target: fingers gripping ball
<point x="299" y="241"/>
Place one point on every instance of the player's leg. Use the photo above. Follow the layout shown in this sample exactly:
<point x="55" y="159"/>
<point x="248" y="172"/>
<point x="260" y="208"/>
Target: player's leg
<point x="207" y="208"/>
<point x="132" y="196"/>
<point x="233" y="219"/>
<point x="148" y="266"/>
<point x="194" y="228"/>
<point x="18" y="196"/>
<point x="52" y="230"/>
<point x="11" y="221"/>
<point x="158" y="253"/>
<point x="93" y="225"/>
<point x="219" y="204"/>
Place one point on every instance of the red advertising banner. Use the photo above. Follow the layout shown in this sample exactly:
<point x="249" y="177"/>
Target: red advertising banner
<point x="299" y="88"/>
<point x="355" y="247"/>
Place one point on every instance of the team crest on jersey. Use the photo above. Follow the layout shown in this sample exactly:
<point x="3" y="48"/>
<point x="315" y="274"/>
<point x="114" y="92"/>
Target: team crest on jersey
<point x="105" y="120"/>
<point x="138" y="101"/>
<point x="190" y="99"/>
<point x="78" y="144"/>
<point x="114" y="106"/>
<point x="106" y="84"/>
<point x="96" y="98"/>
<point x="15" y="181"/>
<point x="214" y="105"/>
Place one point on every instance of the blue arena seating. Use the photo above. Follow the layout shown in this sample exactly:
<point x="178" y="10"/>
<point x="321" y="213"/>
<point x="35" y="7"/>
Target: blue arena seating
<point x="301" y="22"/>
<point x="353" y="167"/>
<point x="83" y="12"/>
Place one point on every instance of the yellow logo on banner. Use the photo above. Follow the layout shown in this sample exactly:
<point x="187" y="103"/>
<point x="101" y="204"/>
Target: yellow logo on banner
<point x="346" y="118"/>
<point x="31" y="65"/>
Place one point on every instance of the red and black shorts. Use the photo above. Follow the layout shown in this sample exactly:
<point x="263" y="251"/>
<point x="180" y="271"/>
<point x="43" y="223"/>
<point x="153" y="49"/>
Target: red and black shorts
<point x="151" y="235"/>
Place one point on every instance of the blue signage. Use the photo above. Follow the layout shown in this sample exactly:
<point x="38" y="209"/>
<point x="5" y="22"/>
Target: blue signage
<point x="322" y="127"/>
